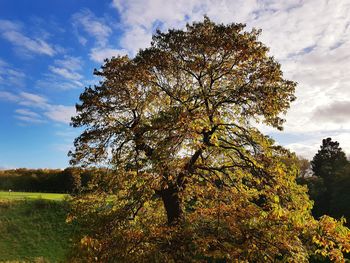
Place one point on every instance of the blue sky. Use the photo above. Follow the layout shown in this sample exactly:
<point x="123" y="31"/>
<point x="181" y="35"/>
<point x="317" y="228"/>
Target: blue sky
<point x="48" y="50"/>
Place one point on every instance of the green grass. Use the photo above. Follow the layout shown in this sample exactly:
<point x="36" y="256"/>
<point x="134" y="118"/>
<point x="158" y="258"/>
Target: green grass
<point x="34" y="229"/>
<point x="27" y="195"/>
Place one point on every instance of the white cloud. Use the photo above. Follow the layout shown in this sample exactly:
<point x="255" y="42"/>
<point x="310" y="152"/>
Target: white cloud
<point x="24" y="98"/>
<point x="29" y="119"/>
<point x="8" y="96"/>
<point x="69" y="62"/>
<point x="169" y="13"/>
<point x="60" y="113"/>
<point x="10" y="76"/>
<point x="55" y="83"/>
<point x="306" y="149"/>
<point x="12" y="33"/>
<point x="82" y="40"/>
<point x="100" y="54"/>
<point x="65" y="73"/>
<point x="310" y="38"/>
<point x="31" y="99"/>
<point x="92" y="25"/>
<point x="57" y="113"/>
<point x="135" y="39"/>
<point x="139" y="22"/>
<point x="98" y="28"/>
<point x="27" y="112"/>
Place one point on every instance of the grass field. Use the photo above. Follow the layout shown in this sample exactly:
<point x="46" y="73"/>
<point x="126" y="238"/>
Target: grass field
<point x="33" y="227"/>
<point x="27" y="195"/>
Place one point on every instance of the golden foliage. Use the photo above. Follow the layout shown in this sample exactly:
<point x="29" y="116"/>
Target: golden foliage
<point x="194" y="180"/>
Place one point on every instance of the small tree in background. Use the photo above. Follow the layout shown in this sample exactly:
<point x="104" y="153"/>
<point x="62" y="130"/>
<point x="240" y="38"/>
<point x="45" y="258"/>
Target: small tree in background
<point x="193" y="179"/>
<point x="304" y="166"/>
<point x="329" y="187"/>
<point x="329" y="163"/>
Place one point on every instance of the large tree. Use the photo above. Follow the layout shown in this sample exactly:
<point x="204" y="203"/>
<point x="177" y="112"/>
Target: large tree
<point x="176" y="124"/>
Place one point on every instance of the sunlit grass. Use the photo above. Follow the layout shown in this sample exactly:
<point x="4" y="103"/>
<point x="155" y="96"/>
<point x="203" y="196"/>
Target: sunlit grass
<point x="28" y="195"/>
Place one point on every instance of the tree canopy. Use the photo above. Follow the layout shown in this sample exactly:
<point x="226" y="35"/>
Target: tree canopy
<point x="194" y="179"/>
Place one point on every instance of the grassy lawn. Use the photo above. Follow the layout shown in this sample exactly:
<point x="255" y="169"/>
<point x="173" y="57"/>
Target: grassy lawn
<point x="27" y="195"/>
<point x="33" y="229"/>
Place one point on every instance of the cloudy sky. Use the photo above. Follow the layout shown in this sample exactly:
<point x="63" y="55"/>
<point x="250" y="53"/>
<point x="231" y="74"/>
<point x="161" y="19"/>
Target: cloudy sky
<point x="48" y="50"/>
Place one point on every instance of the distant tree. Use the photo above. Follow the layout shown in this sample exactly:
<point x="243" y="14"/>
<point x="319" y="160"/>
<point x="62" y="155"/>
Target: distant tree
<point x="329" y="163"/>
<point x="304" y="166"/>
<point x="340" y="203"/>
<point x="194" y="180"/>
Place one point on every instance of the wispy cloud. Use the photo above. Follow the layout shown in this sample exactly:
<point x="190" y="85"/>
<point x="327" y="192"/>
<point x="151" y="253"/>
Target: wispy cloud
<point x="54" y="112"/>
<point x="54" y="82"/>
<point x="9" y="76"/>
<point x="27" y="112"/>
<point x="29" y="116"/>
<point x="8" y="96"/>
<point x="65" y="73"/>
<point x="100" y="54"/>
<point x="31" y="99"/>
<point x="100" y="30"/>
<point x="70" y="63"/>
<point x="60" y="113"/>
<point x="95" y="27"/>
<point x="12" y="32"/>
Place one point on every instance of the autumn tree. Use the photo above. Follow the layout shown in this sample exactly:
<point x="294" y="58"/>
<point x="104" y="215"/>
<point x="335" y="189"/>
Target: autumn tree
<point x="194" y="180"/>
<point x="304" y="166"/>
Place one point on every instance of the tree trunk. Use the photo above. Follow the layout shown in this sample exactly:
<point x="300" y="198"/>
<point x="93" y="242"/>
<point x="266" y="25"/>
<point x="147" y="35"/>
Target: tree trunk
<point x="172" y="204"/>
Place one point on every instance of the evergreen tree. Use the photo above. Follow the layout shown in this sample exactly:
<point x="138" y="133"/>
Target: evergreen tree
<point x="329" y="163"/>
<point x="329" y="160"/>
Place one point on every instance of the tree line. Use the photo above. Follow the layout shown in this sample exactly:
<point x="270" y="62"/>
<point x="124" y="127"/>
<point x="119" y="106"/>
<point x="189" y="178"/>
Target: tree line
<point x="327" y="177"/>
<point x="70" y="180"/>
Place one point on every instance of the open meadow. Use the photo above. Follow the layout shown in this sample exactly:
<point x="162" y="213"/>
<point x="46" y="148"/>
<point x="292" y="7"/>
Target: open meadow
<point x="33" y="227"/>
